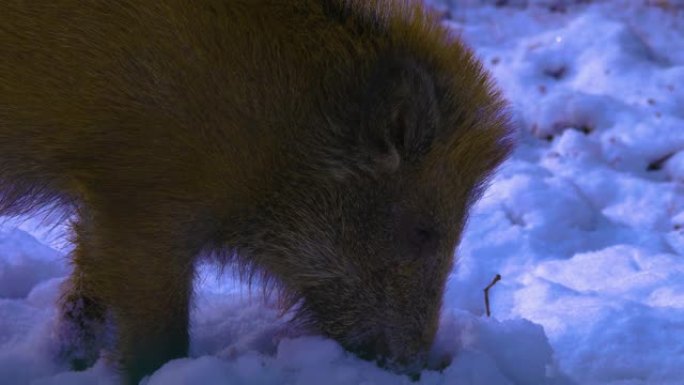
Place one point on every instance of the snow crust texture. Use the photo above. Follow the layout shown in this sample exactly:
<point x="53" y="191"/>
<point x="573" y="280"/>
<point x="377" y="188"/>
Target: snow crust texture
<point x="585" y="223"/>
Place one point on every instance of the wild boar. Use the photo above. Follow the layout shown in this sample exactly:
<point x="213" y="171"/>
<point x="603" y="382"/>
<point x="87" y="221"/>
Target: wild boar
<point x="334" y="146"/>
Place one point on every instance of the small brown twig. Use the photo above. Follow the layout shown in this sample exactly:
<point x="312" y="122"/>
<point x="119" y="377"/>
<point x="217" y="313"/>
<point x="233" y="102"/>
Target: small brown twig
<point x="496" y="279"/>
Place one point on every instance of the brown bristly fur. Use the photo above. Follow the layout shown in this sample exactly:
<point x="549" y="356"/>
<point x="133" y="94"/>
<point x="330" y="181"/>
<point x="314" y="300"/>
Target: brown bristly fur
<point x="329" y="147"/>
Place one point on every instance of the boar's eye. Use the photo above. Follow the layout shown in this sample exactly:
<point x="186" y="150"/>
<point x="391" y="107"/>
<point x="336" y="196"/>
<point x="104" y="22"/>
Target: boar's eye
<point x="415" y="237"/>
<point x="423" y="241"/>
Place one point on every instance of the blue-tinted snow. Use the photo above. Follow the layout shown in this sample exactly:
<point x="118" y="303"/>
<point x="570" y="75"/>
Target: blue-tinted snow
<point x="585" y="223"/>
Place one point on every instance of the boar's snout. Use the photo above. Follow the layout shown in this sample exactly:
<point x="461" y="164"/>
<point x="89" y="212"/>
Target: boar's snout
<point x="404" y="354"/>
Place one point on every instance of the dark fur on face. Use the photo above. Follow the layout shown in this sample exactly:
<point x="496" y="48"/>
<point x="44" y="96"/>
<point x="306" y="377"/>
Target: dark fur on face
<point x="332" y="146"/>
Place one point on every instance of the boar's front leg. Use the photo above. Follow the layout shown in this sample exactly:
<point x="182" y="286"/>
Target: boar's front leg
<point x="142" y="272"/>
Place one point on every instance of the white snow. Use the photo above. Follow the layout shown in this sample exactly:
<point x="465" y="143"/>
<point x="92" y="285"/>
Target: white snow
<point x="585" y="223"/>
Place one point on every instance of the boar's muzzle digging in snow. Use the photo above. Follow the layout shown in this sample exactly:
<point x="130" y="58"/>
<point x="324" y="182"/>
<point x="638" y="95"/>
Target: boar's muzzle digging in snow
<point x="333" y="146"/>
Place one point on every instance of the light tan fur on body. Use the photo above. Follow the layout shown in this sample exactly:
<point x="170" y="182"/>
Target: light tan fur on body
<point x="334" y="145"/>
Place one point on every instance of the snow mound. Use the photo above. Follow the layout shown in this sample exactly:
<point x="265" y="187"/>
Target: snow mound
<point x="25" y="262"/>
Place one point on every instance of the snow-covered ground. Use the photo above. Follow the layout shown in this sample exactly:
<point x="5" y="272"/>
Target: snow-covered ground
<point x="585" y="223"/>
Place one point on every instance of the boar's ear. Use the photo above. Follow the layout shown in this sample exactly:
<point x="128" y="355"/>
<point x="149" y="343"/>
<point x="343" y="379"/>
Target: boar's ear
<point x="400" y="114"/>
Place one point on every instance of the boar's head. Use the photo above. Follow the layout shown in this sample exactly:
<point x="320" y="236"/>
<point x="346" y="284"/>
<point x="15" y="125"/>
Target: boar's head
<point x="362" y="231"/>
